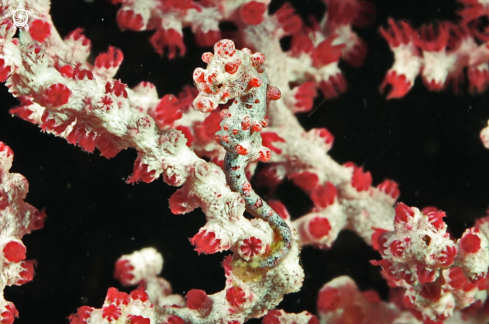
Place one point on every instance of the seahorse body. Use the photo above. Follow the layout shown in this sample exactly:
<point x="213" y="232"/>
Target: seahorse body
<point x="240" y="76"/>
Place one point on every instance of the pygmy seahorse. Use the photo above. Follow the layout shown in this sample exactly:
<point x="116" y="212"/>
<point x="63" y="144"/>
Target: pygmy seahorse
<point x="240" y="76"/>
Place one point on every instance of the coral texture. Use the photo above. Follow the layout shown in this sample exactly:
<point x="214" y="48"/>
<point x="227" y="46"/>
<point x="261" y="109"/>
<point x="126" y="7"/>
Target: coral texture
<point x="267" y="67"/>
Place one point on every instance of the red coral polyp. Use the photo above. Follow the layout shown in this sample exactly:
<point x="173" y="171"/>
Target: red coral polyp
<point x="5" y="70"/>
<point x="14" y="251"/>
<point x="403" y="213"/>
<point x="252" y="12"/>
<point x="111" y="312"/>
<point x="206" y="242"/>
<point x="319" y="227"/>
<point x="54" y="96"/>
<point x="198" y="300"/>
<point x="470" y="243"/>
<point x="235" y="296"/>
<point x="117" y="297"/>
<point x="251" y="246"/>
<point x="128" y="19"/>
<point x="112" y="59"/>
<point x="39" y="30"/>
<point x="123" y="272"/>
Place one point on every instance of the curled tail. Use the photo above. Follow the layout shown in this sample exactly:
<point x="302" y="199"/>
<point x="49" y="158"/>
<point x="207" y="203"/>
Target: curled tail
<point x="234" y="167"/>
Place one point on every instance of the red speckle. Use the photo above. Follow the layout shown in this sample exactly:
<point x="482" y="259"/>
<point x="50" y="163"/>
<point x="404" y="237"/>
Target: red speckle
<point x="123" y="272"/>
<point x="206" y="57"/>
<point x="199" y="76"/>
<point x="470" y="243"/>
<point x="251" y="246"/>
<point x="225" y="47"/>
<point x="14" y="251"/>
<point x="254" y="83"/>
<point x="246" y="188"/>
<point x="273" y="93"/>
<point x="232" y="67"/>
<point x="39" y="30"/>
<point x="235" y="296"/>
<point x="252" y="12"/>
<point x="241" y="150"/>
<point x="246" y="123"/>
<point x="256" y="127"/>
<point x="319" y="227"/>
<point x="258" y="203"/>
<point x="403" y="213"/>
<point x="198" y="300"/>
<point x="111" y="312"/>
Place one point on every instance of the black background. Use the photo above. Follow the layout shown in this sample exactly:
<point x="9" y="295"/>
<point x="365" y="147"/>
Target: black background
<point x="428" y="142"/>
